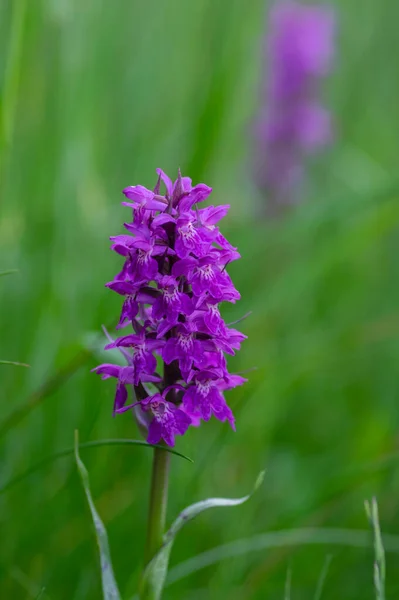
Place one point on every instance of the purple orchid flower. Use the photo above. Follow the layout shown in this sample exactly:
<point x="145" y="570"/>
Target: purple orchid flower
<point x="188" y="237"/>
<point x="205" y="274"/>
<point x="207" y="313"/>
<point x="144" y="361"/>
<point x="125" y="376"/>
<point x="205" y="397"/>
<point x="292" y="124"/>
<point x="168" y="420"/>
<point x="130" y="306"/>
<point x="142" y="197"/>
<point x="184" y="347"/>
<point x="173" y="280"/>
<point x="208" y="217"/>
<point x="171" y="302"/>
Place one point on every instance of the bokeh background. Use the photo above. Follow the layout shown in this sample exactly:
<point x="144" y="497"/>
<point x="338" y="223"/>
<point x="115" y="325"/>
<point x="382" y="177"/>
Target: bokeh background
<point x="95" y="96"/>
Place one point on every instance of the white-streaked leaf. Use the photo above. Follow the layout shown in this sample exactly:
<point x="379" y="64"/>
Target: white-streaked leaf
<point x="109" y="585"/>
<point x="155" y="573"/>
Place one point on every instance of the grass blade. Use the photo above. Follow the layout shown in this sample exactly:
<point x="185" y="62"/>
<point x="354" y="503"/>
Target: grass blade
<point x="352" y="538"/>
<point x="69" y="451"/>
<point x="379" y="563"/>
<point x="31" y="587"/>
<point x="323" y="577"/>
<point x="109" y="585"/>
<point x="8" y="272"/>
<point x="12" y="362"/>
<point x="287" y="587"/>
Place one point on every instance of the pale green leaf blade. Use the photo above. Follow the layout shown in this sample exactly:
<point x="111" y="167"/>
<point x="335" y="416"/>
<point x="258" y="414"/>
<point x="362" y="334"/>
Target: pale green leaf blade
<point x="155" y="573"/>
<point x="287" y="587"/>
<point x="379" y="563"/>
<point x="109" y="585"/>
<point x="195" y="509"/>
<point x="12" y="362"/>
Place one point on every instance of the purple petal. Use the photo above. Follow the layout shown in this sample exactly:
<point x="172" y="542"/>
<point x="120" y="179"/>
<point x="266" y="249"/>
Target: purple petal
<point x="220" y="408"/>
<point x="182" y="249"/>
<point x="120" y="397"/>
<point x="199" y="193"/>
<point x="126" y="341"/>
<point x="124" y="409"/>
<point x="122" y="287"/>
<point x="155" y="432"/>
<point x="186" y="183"/>
<point x="169" y="437"/>
<point x="154" y="344"/>
<point x="213" y="214"/>
<point x="175" y="386"/>
<point x="183" y="267"/>
<point x="167" y="181"/>
<point x="166" y="325"/>
<point x="160" y="220"/>
<point x="150" y="205"/>
<point x="170" y="351"/>
<point x="138" y="193"/>
<point x="121" y="244"/>
<point x="107" y="370"/>
<point x="186" y="304"/>
<point x="182" y="421"/>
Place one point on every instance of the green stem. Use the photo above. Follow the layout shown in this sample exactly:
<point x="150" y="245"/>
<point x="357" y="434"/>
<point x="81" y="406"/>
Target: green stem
<point x="158" y="504"/>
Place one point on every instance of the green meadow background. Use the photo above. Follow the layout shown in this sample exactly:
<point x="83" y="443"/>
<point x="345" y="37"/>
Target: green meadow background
<point x="94" y="96"/>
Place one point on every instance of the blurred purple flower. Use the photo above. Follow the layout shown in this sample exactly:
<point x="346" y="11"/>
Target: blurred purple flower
<point x="173" y="281"/>
<point x="292" y="124"/>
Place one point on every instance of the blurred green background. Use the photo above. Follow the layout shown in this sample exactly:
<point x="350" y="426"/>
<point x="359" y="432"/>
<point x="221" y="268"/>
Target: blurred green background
<point x="95" y="96"/>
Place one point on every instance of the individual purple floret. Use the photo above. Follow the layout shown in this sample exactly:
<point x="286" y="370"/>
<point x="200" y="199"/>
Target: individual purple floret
<point x="292" y="124"/>
<point x="167" y="418"/>
<point x="173" y="281"/>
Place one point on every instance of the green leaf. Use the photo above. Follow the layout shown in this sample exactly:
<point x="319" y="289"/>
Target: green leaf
<point x="155" y="573"/>
<point x="8" y="272"/>
<point x="11" y="362"/>
<point x="109" y="585"/>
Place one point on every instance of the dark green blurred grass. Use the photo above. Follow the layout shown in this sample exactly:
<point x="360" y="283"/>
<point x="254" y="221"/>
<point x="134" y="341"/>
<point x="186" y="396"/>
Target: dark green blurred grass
<point x="105" y="92"/>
